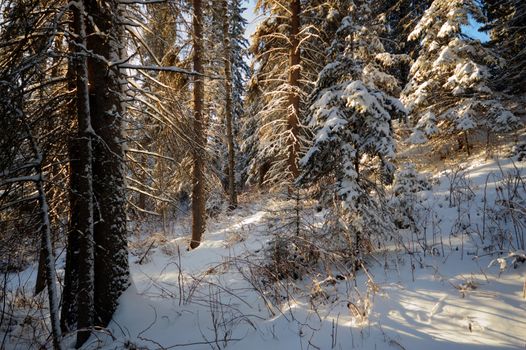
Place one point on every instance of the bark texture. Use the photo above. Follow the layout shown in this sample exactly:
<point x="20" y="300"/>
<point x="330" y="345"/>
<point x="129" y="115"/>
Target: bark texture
<point x="86" y="282"/>
<point x="68" y="316"/>
<point x="111" y="269"/>
<point x="232" y="193"/>
<point x="97" y="257"/>
<point x="294" y="86"/>
<point x="198" y="177"/>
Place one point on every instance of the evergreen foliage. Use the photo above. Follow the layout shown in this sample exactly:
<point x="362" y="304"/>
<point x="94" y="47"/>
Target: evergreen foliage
<point x="351" y="117"/>
<point x="449" y="91"/>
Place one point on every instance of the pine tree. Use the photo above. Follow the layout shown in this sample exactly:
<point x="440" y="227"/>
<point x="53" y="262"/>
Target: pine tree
<point x="235" y="71"/>
<point x="31" y="133"/>
<point x="249" y="135"/>
<point x="102" y="272"/>
<point x="400" y="17"/>
<point x="161" y="155"/>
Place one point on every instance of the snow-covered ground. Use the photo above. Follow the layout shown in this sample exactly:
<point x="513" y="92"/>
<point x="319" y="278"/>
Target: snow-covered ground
<point x="448" y="297"/>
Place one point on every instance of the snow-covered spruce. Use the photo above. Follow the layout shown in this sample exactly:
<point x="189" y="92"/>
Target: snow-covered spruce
<point x="351" y="114"/>
<point x="449" y="91"/>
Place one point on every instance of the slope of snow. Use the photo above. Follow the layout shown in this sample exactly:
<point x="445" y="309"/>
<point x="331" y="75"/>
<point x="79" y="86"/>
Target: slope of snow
<point x="448" y="297"/>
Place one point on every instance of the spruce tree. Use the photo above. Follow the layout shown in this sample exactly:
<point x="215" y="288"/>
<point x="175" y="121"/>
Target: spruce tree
<point x="507" y="29"/>
<point x="281" y="74"/>
<point x="448" y="92"/>
<point x="351" y="114"/>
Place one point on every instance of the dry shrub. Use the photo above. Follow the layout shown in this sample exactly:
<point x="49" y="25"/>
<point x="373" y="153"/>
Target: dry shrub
<point x="291" y="257"/>
<point x="143" y="248"/>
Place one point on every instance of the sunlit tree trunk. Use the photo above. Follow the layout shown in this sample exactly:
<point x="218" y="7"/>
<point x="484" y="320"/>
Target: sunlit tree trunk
<point x="294" y="80"/>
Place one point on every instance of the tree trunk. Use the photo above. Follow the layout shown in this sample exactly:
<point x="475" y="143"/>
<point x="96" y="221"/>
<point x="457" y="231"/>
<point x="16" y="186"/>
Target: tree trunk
<point x="86" y="278"/>
<point x="232" y="194"/>
<point x="294" y="80"/>
<point x="53" y="169"/>
<point x="46" y="247"/>
<point x="40" y="283"/>
<point x="47" y="250"/>
<point x="198" y="178"/>
<point x="105" y="89"/>
<point x="68" y="317"/>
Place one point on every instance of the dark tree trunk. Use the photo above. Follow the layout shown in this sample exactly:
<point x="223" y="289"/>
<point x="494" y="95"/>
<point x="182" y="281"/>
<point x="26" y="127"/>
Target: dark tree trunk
<point x="68" y="316"/>
<point x="40" y="283"/>
<point x="294" y="81"/>
<point x="232" y="194"/>
<point x="198" y="177"/>
<point x="86" y="283"/>
<point x="111" y="252"/>
<point x="47" y="250"/>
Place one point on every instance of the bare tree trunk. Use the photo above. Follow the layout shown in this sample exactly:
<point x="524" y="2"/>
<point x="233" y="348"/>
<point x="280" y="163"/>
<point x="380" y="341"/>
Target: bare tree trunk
<point x="110" y="232"/>
<point x="46" y="247"/>
<point x="86" y="277"/>
<point x="50" y="263"/>
<point x="232" y="193"/>
<point x="40" y="283"/>
<point x="198" y="178"/>
<point x="294" y="80"/>
<point x="68" y="318"/>
<point x="54" y="169"/>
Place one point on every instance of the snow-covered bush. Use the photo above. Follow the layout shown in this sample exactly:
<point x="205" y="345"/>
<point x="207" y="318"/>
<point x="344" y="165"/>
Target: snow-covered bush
<point x="408" y="184"/>
<point x="506" y="216"/>
<point x="215" y="201"/>
<point x="519" y="151"/>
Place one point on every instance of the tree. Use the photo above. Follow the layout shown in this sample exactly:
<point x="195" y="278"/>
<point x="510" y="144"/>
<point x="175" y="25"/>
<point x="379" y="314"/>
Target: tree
<point x="282" y="76"/>
<point x="240" y="73"/>
<point x="506" y="24"/>
<point x="159" y="153"/>
<point x="353" y="106"/>
<point x="294" y="86"/>
<point x="106" y="106"/>
<point x="233" y="57"/>
<point x="99" y="198"/>
<point x="61" y="107"/>
<point x="31" y="97"/>
<point x="198" y="156"/>
<point x="85" y="224"/>
<point x="400" y="17"/>
<point x="448" y="91"/>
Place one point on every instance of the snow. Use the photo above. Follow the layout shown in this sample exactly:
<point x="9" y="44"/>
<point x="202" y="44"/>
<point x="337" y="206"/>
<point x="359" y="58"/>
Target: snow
<point x="432" y="302"/>
<point x="453" y="296"/>
<point x="447" y="29"/>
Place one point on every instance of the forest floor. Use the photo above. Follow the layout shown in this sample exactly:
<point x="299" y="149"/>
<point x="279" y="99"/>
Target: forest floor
<point x="437" y="290"/>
